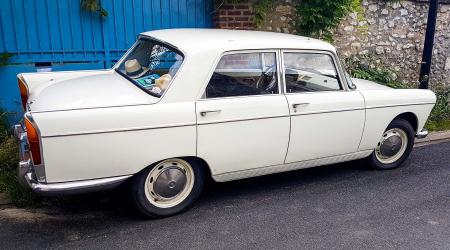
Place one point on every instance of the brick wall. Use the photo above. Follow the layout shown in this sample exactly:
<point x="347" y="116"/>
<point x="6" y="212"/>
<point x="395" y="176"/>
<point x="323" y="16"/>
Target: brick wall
<point x="229" y="15"/>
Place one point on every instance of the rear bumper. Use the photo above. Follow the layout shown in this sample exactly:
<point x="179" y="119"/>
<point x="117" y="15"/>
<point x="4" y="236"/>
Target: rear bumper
<point x="34" y="178"/>
<point x="422" y="134"/>
<point x="73" y="187"/>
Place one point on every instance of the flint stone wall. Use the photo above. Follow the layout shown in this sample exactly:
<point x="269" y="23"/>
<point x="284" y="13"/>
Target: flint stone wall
<point x="384" y="34"/>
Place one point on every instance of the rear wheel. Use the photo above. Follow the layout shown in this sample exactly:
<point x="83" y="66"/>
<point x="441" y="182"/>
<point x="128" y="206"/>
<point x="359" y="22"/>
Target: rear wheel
<point x="394" y="146"/>
<point x="168" y="187"/>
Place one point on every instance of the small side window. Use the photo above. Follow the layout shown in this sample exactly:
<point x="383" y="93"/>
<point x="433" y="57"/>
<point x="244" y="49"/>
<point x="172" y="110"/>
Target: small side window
<point x="306" y="72"/>
<point x="244" y="74"/>
<point x="151" y="66"/>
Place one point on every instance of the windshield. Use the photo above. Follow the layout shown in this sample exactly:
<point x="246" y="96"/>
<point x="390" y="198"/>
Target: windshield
<point x="151" y="66"/>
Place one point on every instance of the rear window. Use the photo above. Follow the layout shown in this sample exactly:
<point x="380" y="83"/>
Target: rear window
<point x="151" y="66"/>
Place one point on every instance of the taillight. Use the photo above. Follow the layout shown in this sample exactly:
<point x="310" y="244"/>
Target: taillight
<point x="23" y="92"/>
<point x="33" y="141"/>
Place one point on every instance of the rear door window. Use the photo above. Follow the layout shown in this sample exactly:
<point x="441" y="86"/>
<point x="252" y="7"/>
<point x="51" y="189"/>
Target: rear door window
<point x="244" y="74"/>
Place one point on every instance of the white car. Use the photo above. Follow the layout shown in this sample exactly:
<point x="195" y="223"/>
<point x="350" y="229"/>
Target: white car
<point x="183" y="105"/>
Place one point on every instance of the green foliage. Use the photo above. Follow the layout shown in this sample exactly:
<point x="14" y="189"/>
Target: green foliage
<point x="260" y="10"/>
<point x="441" y="125"/>
<point x="8" y="166"/>
<point x="440" y="115"/>
<point x="317" y="18"/>
<point x="4" y="58"/>
<point x="8" y="181"/>
<point x="356" y="7"/>
<point x="94" y="6"/>
<point x="367" y="71"/>
<point x="4" y="132"/>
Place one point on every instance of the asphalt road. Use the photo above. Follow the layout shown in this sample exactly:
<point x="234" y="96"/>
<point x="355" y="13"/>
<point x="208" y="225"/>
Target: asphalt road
<point x="344" y="206"/>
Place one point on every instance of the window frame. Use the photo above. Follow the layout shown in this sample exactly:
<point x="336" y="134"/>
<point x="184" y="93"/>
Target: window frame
<point x="341" y="80"/>
<point x="202" y="96"/>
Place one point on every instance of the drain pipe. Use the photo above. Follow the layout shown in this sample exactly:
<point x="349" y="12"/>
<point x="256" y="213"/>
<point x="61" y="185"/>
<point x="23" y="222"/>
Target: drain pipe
<point x="427" y="55"/>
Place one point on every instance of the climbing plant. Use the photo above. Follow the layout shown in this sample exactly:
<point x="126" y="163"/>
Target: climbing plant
<point x="260" y="9"/>
<point x="94" y="6"/>
<point x="317" y="18"/>
<point x="4" y="58"/>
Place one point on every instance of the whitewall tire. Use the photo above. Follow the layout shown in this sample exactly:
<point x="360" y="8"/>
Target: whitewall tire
<point x="167" y="187"/>
<point x="394" y="146"/>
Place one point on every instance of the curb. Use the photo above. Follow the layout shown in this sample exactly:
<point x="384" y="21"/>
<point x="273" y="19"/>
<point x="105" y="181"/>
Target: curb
<point x="433" y="138"/>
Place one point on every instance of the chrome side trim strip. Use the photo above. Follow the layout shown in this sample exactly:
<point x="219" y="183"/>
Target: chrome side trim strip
<point x="400" y="105"/>
<point x="280" y="116"/>
<point x="89" y="108"/>
<point x="74" y="187"/>
<point x="226" y="121"/>
<point x="327" y="111"/>
<point x="242" y="120"/>
<point x="119" y="130"/>
<point x="290" y="166"/>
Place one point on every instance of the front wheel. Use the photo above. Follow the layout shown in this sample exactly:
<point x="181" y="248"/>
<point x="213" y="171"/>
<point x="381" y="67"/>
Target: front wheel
<point x="167" y="188"/>
<point x="394" y="146"/>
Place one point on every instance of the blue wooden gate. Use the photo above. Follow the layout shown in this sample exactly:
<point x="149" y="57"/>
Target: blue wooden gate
<point x="59" y="33"/>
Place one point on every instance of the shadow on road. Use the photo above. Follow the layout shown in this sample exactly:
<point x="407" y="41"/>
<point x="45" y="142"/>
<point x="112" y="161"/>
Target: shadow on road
<point x="344" y="205"/>
<point x="115" y="204"/>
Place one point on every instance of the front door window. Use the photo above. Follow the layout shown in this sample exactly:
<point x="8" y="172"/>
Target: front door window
<point x="308" y="72"/>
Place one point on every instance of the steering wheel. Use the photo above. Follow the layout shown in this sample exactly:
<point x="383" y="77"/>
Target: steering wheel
<point x="268" y="77"/>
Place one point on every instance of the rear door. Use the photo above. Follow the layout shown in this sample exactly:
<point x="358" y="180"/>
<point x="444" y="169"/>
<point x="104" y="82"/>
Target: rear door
<point x="243" y="119"/>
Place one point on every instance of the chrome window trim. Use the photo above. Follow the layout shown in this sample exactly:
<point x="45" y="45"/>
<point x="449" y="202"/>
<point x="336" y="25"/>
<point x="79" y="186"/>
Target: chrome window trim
<point x="238" y="97"/>
<point x="341" y="80"/>
<point x="202" y="97"/>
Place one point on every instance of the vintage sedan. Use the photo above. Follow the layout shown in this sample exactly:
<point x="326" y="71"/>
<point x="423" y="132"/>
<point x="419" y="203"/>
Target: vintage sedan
<point x="189" y="104"/>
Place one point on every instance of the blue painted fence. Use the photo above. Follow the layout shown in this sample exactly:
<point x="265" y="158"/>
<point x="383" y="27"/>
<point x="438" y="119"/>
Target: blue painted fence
<point x="61" y="33"/>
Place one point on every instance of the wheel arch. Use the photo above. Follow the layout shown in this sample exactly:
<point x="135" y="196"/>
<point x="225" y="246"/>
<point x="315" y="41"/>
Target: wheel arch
<point x="409" y="117"/>
<point x="201" y="162"/>
<point x="191" y="159"/>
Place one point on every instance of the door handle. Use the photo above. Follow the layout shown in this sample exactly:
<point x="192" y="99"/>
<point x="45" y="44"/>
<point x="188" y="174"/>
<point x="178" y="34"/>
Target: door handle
<point x="204" y="113"/>
<point x="296" y="105"/>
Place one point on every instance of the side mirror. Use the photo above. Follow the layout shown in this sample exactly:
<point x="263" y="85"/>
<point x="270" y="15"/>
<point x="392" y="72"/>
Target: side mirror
<point x="350" y="83"/>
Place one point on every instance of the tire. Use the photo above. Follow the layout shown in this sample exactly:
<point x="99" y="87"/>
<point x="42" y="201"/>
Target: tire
<point x="381" y="158"/>
<point x="158" y="191"/>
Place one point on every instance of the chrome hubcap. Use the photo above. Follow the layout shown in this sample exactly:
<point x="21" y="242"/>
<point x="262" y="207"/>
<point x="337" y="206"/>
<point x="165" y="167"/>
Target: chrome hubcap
<point x="169" y="183"/>
<point x="392" y="145"/>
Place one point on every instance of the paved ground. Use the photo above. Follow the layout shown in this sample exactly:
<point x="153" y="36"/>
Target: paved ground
<point x="341" y="206"/>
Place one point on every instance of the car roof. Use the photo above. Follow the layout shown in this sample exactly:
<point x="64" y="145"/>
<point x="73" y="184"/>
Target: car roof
<point x="221" y="40"/>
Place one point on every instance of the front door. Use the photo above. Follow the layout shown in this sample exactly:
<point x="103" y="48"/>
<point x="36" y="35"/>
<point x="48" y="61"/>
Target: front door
<point x="327" y="119"/>
<point x="243" y="120"/>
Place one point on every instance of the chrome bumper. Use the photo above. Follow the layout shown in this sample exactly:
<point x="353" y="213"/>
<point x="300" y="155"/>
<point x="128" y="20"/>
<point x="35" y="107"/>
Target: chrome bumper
<point x="25" y="165"/>
<point x="422" y="134"/>
<point x="74" y="187"/>
<point x="34" y="176"/>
